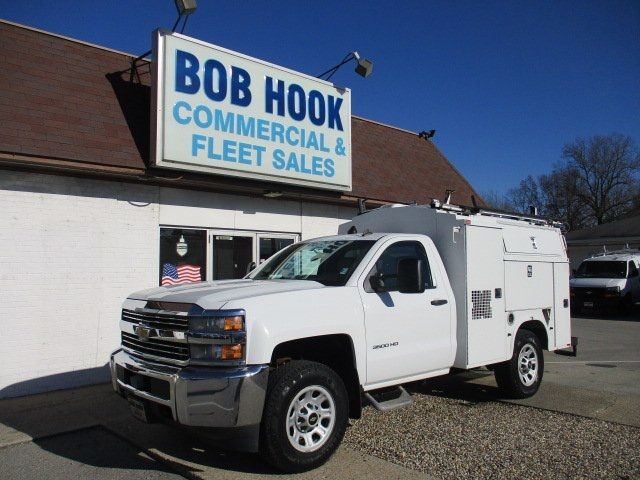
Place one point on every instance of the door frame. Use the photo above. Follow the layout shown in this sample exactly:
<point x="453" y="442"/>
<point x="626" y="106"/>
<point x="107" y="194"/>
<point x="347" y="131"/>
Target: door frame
<point x="255" y="235"/>
<point x="287" y="236"/>
<point x="226" y="233"/>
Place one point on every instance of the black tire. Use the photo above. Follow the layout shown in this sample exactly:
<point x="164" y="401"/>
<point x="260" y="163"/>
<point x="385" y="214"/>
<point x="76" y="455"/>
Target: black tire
<point x="626" y="305"/>
<point x="508" y="375"/>
<point x="285" y="383"/>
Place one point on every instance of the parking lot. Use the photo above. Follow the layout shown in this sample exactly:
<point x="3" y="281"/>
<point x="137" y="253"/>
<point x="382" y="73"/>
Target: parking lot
<point x="583" y="423"/>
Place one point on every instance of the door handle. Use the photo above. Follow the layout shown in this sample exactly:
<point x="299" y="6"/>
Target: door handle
<point x="438" y="302"/>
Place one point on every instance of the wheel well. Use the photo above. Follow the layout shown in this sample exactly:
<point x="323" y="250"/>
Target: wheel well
<point x="536" y="327"/>
<point x="336" y="352"/>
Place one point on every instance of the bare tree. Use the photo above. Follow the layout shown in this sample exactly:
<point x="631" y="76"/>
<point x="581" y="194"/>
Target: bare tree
<point x="607" y="168"/>
<point x="526" y="195"/>
<point x="496" y="200"/>
<point x="561" y="201"/>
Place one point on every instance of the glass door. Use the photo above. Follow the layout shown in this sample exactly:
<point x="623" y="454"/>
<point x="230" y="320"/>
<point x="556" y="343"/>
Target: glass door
<point x="231" y="255"/>
<point x="269" y="244"/>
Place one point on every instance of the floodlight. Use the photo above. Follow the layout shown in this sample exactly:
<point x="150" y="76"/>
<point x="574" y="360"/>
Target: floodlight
<point x="364" y="67"/>
<point x="186" y="7"/>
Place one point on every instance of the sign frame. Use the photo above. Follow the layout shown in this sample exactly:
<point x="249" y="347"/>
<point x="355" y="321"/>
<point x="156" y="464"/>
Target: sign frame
<point x="158" y="127"/>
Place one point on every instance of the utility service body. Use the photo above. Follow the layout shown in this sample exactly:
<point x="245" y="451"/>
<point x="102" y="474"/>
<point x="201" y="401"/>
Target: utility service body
<point x="224" y="111"/>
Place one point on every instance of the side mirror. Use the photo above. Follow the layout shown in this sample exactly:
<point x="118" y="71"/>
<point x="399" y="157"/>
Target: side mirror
<point x="633" y="274"/>
<point x="250" y="267"/>
<point x="573" y="271"/>
<point x="377" y="283"/>
<point x="410" y="277"/>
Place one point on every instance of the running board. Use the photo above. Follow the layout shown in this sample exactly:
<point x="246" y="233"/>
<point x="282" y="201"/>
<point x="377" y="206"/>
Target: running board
<point x="389" y="399"/>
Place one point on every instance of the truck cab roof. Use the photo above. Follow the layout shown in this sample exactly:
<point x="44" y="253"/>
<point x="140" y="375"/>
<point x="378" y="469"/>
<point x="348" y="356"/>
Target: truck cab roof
<point x="351" y="236"/>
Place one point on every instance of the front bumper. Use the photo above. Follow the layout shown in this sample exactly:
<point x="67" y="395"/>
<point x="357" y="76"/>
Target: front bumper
<point x="595" y="299"/>
<point x="196" y="396"/>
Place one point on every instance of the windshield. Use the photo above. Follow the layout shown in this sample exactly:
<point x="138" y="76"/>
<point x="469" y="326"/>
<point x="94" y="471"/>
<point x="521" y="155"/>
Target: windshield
<point x="602" y="270"/>
<point x="330" y="262"/>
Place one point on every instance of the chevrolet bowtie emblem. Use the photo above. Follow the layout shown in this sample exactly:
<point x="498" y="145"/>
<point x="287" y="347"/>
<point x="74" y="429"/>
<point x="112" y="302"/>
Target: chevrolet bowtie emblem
<point x="144" y="332"/>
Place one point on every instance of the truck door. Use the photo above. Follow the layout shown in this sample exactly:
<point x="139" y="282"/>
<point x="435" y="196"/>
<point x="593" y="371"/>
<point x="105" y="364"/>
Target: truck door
<point x="407" y="334"/>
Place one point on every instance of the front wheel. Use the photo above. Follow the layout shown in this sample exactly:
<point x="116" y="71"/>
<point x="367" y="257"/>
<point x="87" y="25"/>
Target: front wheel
<point x="305" y="416"/>
<point x="520" y="377"/>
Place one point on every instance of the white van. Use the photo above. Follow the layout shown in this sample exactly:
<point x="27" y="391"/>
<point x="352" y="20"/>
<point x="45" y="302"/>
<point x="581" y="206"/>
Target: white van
<point x="609" y="279"/>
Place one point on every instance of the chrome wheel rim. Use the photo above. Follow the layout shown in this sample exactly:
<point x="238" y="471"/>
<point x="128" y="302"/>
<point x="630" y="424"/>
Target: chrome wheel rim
<point x="310" y="418"/>
<point x="528" y="365"/>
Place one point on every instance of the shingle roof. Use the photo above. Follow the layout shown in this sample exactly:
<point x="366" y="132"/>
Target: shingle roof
<point x="627" y="227"/>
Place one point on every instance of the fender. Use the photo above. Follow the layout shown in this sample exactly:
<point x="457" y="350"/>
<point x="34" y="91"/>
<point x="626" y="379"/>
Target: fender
<point x="277" y="318"/>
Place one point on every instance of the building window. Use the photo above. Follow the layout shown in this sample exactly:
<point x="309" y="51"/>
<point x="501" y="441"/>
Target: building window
<point x="183" y="254"/>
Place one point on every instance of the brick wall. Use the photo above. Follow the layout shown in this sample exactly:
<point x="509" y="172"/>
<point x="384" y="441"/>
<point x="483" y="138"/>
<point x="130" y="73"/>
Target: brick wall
<point x="71" y="251"/>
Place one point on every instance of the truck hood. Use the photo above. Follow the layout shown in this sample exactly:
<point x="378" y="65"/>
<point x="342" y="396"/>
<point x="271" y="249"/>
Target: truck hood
<point x="213" y="295"/>
<point x="597" y="282"/>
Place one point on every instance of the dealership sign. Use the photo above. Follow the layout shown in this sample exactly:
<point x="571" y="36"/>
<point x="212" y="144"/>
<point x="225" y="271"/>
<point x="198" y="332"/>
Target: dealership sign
<point x="222" y="112"/>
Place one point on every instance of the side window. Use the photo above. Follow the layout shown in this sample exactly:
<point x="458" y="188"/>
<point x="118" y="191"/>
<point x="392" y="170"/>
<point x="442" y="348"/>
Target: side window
<point x="387" y="265"/>
<point x="633" y="270"/>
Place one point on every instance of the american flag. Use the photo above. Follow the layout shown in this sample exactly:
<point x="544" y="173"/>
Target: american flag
<point x="182" y="274"/>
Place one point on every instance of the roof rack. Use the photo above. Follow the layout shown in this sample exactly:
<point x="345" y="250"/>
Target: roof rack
<point x="615" y="252"/>
<point x="475" y="210"/>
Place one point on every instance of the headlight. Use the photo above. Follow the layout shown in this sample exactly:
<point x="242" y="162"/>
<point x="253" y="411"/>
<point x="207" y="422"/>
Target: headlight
<point x="216" y="324"/>
<point x="612" y="292"/>
<point x="208" y="353"/>
<point x="217" y="336"/>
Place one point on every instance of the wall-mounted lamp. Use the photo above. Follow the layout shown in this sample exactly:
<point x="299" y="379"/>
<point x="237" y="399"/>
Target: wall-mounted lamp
<point x="364" y="67"/>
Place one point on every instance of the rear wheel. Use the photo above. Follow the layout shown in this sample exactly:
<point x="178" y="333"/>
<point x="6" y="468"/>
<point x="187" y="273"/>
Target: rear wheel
<point x="305" y="416"/>
<point x="520" y="377"/>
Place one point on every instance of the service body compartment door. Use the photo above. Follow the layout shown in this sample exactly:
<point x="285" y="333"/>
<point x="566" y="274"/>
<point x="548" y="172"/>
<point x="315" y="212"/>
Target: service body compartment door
<point x="529" y="285"/>
<point x="486" y="318"/>
<point x="562" y="313"/>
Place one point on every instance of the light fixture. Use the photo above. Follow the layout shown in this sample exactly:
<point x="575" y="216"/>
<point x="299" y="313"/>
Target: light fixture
<point x="186" y="7"/>
<point x="427" y="134"/>
<point x="364" y="67"/>
<point x="272" y="194"/>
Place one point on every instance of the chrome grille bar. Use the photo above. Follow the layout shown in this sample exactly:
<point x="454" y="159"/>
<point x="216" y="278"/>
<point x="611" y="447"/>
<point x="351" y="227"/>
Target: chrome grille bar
<point x="154" y="349"/>
<point x="162" y="321"/>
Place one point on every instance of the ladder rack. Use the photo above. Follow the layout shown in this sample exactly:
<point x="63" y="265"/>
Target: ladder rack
<point x="468" y="210"/>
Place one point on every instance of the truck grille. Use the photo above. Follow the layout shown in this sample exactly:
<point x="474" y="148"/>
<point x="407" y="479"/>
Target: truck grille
<point x="161" y="321"/>
<point x="155" y="349"/>
<point x="589" y="292"/>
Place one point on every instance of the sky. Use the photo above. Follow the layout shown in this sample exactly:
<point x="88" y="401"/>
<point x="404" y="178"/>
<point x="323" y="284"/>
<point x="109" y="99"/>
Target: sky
<point x="504" y="84"/>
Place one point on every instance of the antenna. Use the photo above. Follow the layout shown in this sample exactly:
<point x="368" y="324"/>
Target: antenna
<point x="447" y="196"/>
<point x="362" y="206"/>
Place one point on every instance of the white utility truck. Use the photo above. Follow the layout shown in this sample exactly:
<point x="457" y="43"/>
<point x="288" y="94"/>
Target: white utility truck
<point x="283" y="357"/>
